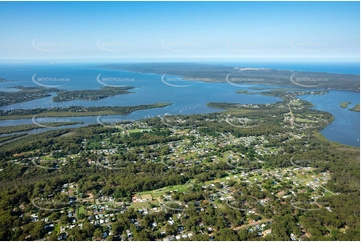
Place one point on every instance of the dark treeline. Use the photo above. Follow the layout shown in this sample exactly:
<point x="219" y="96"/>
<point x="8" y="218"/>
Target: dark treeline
<point x="77" y="111"/>
<point x="64" y="96"/>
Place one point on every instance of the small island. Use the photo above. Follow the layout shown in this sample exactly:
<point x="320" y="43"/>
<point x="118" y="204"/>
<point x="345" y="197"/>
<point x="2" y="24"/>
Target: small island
<point x="356" y="108"/>
<point x="344" y="104"/>
<point x="5" y="80"/>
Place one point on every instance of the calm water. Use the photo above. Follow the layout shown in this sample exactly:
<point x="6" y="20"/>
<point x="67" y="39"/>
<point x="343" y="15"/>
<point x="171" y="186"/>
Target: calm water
<point x="185" y="100"/>
<point x="345" y="128"/>
<point x="149" y="88"/>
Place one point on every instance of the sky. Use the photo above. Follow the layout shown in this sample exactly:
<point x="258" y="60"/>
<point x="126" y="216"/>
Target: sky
<point x="180" y="31"/>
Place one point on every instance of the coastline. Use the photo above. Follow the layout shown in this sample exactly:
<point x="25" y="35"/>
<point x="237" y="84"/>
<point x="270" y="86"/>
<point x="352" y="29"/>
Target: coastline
<point x="261" y="76"/>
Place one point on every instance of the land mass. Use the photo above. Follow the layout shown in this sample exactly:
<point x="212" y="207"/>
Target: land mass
<point x="25" y="94"/>
<point x="27" y="127"/>
<point x="246" y="92"/>
<point x="91" y="95"/>
<point x="245" y="75"/>
<point x="10" y="137"/>
<point x="31" y="93"/>
<point x="254" y="172"/>
<point x="75" y="111"/>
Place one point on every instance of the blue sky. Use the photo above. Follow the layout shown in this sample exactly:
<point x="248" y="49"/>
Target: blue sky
<point x="180" y="31"/>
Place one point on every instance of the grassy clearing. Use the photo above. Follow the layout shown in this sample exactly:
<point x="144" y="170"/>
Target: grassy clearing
<point x="159" y="192"/>
<point x="81" y="210"/>
<point x="140" y="205"/>
<point x="237" y="111"/>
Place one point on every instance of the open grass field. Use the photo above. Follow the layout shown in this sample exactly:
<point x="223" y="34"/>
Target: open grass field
<point x="237" y="111"/>
<point x="159" y="192"/>
<point x="140" y="205"/>
<point x="81" y="210"/>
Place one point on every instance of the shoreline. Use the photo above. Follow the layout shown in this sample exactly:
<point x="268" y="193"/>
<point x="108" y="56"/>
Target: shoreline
<point x="78" y="111"/>
<point x="265" y="76"/>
